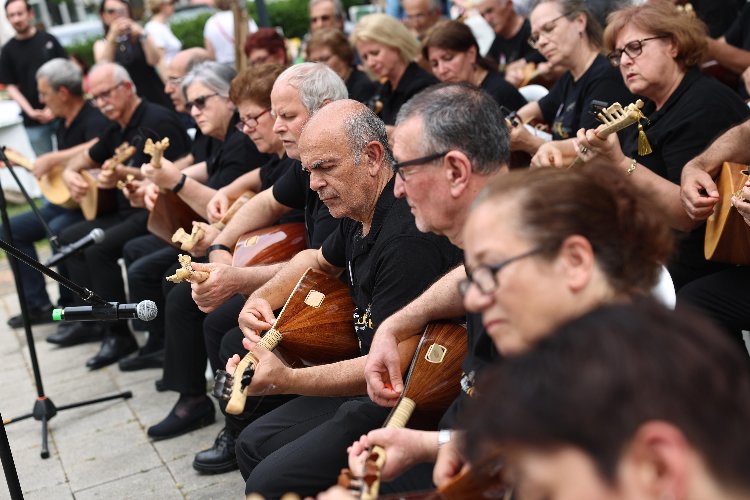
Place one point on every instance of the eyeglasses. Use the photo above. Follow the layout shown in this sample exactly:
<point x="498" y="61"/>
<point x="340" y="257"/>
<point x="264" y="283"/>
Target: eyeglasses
<point x="323" y="19"/>
<point x="199" y="102"/>
<point x="174" y="81"/>
<point x="399" y="166"/>
<point x="546" y="29"/>
<point x="632" y="49"/>
<point x="105" y="94"/>
<point x="250" y="121"/>
<point x="485" y="277"/>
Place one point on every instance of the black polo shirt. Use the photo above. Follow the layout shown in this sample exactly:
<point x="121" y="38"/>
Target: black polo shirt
<point x="20" y="60"/>
<point x="697" y="112"/>
<point x="360" y="87"/>
<point x="413" y="80"/>
<point x="504" y="51"/>
<point x="292" y="189"/>
<point x="237" y="155"/>
<point x="567" y="107"/>
<point x="502" y="91"/>
<point x="86" y="125"/>
<point x="273" y="171"/>
<point x="391" y="265"/>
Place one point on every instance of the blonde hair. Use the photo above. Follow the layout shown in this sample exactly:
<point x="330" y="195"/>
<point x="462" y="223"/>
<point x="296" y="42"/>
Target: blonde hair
<point x="388" y="31"/>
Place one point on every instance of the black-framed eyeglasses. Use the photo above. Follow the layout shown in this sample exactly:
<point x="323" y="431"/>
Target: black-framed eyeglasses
<point x="200" y="102"/>
<point x="546" y="29"/>
<point x="105" y="94"/>
<point x="632" y="49"/>
<point x="174" y="81"/>
<point x="250" y="121"/>
<point x="485" y="276"/>
<point x="398" y="166"/>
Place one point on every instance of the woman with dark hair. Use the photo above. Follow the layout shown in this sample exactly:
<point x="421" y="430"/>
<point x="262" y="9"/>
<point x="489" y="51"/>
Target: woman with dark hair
<point x="331" y="47"/>
<point x="266" y="46"/>
<point x="627" y="402"/>
<point x="126" y="43"/>
<point x="657" y="51"/>
<point x="453" y="54"/>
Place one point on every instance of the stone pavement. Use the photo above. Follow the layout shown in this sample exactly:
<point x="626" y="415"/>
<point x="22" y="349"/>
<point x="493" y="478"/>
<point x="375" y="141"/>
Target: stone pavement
<point x="97" y="451"/>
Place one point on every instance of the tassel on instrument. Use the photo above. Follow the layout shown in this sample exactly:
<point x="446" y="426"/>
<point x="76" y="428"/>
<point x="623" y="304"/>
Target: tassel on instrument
<point x="644" y="148"/>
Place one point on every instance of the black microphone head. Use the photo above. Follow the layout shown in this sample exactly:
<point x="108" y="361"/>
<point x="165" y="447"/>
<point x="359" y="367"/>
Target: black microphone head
<point x="146" y="310"/>
<point x="97" y="234"/>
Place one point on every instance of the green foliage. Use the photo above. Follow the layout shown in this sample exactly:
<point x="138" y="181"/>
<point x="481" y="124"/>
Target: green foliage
<point x="83" y="49"/>
<point x="190" y="33"/>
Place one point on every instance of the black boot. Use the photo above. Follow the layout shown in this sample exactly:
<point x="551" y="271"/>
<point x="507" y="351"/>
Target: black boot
<point x="118" y="342"/>
<point x="221" y="457"/>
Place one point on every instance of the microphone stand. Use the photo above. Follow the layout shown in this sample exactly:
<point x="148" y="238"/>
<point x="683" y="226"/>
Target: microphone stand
<point x="44" y="409"/>
<point x="9" y="466"/>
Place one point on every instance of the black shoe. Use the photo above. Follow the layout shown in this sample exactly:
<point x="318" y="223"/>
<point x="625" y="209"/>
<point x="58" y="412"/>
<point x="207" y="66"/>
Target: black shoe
<point x="37" y="316"/>
<point x="172" y="426"/>
<point x="159" y="385"/>
<point x="112" y="349"/>
<point x="69" y="334"/>
<point x="219" y="458"/>
<point x="141" y="361"/>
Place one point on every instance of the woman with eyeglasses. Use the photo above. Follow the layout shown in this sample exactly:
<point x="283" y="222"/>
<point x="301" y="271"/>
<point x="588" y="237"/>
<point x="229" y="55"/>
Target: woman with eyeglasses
<point x="569" y="37"/>
<point x="127" y="43"/>
<point x="453" y="54"/>
<point x="658" y="52"/>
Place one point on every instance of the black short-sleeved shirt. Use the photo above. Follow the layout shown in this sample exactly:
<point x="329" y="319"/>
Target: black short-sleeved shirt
<point x="697" y="112"/>
<point x="20" y="60"/>
<point x="203" y="146"/>
<point x="502" y="91"/>
<point x="360" y="87"/>
<point x="273" y="171"/>
<point x="480" y="354"/>
<point x="130" y="55"/>
<point x="292" y="189"/>
<point x="504" y="51"/>
<point x="391" y="265"/>
<point x="567" y="107"/>
<point x="717" y="14"/>
<point x="738" y="35"/>
<point x="413" y="80"/>
<point x="237" y="155"/>
<point x="86" y="125"/>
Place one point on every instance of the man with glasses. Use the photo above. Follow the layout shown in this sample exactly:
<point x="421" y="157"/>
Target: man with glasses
<point x="133" y="120"/>
<point x="326" y="14"/>
<point x="421" y="15"/>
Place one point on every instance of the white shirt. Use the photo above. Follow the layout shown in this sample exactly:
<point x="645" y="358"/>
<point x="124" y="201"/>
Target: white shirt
<point x="162" y="36"/>
<point x="219" y="30"/>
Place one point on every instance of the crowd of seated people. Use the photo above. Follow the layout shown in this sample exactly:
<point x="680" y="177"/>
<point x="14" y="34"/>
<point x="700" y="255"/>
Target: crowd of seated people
<point x="377" y="174"/>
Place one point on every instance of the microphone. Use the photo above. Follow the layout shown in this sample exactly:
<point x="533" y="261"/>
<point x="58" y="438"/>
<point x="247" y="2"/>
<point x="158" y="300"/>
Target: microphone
<point x="145" y="311"/>
<point x="95" y="236"/>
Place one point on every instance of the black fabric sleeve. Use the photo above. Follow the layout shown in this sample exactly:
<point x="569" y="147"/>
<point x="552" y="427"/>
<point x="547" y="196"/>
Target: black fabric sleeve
<point x="289" y="189"/>
<point x="102" y="150"/>
<point x="334" y="247"/>
<point x="550" y="104"/>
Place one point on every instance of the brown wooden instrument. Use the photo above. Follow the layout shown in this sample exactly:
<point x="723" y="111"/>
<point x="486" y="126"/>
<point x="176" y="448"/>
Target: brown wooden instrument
<point x="52" y="186"/>
<point x="269" y="245"/>
<point x="614" y="119"/>
<point x="727" y="234"/>
<point x="101" y="201"/>
<point x="314" y="327"/>
<point x="186" y="272"/>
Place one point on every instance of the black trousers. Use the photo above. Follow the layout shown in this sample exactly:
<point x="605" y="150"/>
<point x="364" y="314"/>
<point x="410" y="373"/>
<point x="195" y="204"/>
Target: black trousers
<point x="301" y="446"/>
<point x="215" y="328"/>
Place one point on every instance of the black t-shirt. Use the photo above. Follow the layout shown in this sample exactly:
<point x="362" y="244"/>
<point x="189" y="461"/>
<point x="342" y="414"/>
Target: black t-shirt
<point x="292" y="189"/>
<point x="86" y="125"/>
<point x="203" y="146"/>
<point x="360" y="87"/>
<point x="129" y="54"/>
<point x="273" y="171"/>
<point x="391" y="265"/>
<point x="237" y="155"/>
<point x="20" y="60"/>
<point x="502" y="91"/>
<point x="480" y="353"/>
<point x="717" y="14"/>
<point x="413" y="80"/>
<point x="567" y="107"/>
<point x="738" y="35"/>
<point x="504" y="51"/>
<point x="697" y="112"/>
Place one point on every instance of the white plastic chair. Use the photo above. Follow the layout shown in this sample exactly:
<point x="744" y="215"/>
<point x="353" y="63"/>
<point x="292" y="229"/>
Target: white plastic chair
<point x="533" y="93"/>
<point x="664" y="289"/>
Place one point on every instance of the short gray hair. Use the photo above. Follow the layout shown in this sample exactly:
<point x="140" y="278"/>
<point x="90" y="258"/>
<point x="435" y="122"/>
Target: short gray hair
<point x="61" y="72"/>
<point x="316" y="84"/>
<point x="363" y="126"/>
<point x="338" y="8"/>
<point x="214" y="75"/>
<point x="461" y="116"/>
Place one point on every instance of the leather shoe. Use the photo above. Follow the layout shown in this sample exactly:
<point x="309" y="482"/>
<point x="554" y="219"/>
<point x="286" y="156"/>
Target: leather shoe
<point x="37" y="316"/>
<point x="141" y="361"/>
<point x="69" y="334"/>
<point x="159" y="385"/>
<point x="221" y="457"/>
<point x="112" y="349"/>
<point x="200" y="416"/>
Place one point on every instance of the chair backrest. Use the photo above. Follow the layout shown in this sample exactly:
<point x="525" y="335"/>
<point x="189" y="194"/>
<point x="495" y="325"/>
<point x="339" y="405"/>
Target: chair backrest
<point x="664" y="289"/>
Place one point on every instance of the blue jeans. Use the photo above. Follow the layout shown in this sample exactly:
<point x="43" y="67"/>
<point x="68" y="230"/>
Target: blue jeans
<point x="40" y="137"/>
<point x="26" y="229"/>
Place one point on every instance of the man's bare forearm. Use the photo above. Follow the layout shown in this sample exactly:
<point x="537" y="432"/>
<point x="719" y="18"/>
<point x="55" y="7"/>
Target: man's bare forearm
<point x="730" y="146"/>
<point x="261" y="211"/>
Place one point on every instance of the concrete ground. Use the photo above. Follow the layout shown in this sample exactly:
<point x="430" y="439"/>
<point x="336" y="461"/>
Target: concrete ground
<point x="97" y="451"/>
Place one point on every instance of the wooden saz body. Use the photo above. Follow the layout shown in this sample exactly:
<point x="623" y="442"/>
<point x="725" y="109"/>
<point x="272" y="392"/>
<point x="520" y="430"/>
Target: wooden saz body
<point x="269" y="245"/>
<point x="727" y="234"/>
<point x="169" y="214"/>
<point x="51" y="184"/>
<point x="316" y="326"/>
<point x="98" y="201"/>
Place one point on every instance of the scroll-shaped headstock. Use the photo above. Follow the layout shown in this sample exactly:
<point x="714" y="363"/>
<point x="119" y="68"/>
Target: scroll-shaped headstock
<point x="186" y="272"/>
<point x="127" y="183"/>
<point x="156" y="150"/>
<point x="188" y="240"/>
<point x="122" y="153"/>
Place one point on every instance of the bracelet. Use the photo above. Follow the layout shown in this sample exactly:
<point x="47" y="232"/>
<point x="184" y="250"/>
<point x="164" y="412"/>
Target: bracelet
<point x="631" y="168"/>
<point x="180" y="184"/>
<point x="444" y="436"/>
<point x="217" y="246"/>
